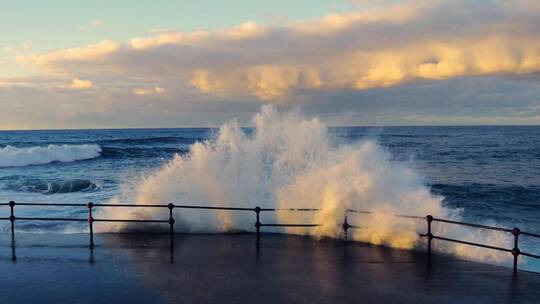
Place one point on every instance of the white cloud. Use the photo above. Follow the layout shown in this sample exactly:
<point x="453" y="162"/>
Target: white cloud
<point x="148" y="91"/>
<point x="81" y="84"/>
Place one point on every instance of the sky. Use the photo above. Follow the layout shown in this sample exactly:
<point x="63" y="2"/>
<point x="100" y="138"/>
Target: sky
<point x="116" y="64"/>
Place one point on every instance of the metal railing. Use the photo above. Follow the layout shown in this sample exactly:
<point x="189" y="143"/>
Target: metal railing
<point x="516" y="232"/>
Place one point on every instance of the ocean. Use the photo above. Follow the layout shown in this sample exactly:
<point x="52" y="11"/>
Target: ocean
<point x="491" y="174"/>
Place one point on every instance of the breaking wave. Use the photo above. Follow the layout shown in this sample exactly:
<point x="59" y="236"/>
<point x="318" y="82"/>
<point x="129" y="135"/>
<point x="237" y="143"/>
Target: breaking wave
<point x="290" y="161"/>
<point x="18" y="157"/>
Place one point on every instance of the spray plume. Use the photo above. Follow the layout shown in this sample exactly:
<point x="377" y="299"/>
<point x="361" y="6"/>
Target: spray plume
<point x="289" y="161"/>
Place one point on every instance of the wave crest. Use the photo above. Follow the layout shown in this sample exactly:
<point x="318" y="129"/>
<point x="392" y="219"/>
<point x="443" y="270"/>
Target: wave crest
<point x="18" y="157"/>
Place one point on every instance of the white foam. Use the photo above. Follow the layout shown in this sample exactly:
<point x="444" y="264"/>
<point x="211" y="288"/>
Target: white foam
<point x="291" y="162"/>
<point x="16" y="157"/>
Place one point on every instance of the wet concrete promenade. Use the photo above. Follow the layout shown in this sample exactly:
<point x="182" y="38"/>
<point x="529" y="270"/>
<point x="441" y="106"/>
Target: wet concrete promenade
<point x="53" y="268"/>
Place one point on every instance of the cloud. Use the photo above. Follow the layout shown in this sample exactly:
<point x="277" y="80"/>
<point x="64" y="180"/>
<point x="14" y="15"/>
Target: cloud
<point x="417" y="61"/>
<point x="245" y="31"/>
<point x="400" y="44"/>
<point x="92" y="53"/>
<point x="18" y="50"/>
<point x="39" y="103"/>
<point x="148" y="91"/>
<point x="81" y="84"/>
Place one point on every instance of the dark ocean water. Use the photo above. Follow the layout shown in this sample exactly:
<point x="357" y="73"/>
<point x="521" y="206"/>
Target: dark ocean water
<point x="492" y="173"/>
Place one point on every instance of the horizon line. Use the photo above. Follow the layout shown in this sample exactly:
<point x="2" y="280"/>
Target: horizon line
<point x="247" y="127"/>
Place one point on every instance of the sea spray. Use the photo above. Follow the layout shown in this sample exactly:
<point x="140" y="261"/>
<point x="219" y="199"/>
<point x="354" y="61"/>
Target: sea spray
<point x="289" y="161"/>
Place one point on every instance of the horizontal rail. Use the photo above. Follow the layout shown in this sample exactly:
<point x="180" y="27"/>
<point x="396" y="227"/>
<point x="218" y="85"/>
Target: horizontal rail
<point x="178" y="206"/>
<point x="360" y="211"/>
<point x="214" y="208"/>
<point x="129" y="205"/>
<point x="392" y="214"/>
<point x="348" y="210"/>
<point x="530" y="234"/>
<point x="530" y="255"/>
<point x="472" y="225"/>
<point x="290" y="225"/>
<point x="50" y="219"/>
<point x="416" y="217"/>
<point x="130" y="221"/>
<point x="292" y="209"/>
<point x="140" y="205"/>
<point x="471" y="243"/>
<point x="52" y="205"/>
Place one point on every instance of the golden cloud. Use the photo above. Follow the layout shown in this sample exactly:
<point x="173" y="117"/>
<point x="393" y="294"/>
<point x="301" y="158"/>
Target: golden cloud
<point x="418" y="40"/>
<point x="86" y="53"/>
<point x="148" y="91"/>
<point x="81" y="84"/>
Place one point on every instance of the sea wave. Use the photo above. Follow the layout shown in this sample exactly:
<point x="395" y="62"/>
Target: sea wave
<point x="17" y="157"/>
<point x="112" y="152"/>
<point x="49" y="186"/>
<point x="153" y="140"/>
<point x="289" y="161"/>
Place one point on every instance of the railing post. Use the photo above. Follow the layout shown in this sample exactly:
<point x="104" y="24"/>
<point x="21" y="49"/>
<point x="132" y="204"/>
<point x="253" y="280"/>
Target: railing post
<point x="515" y="251"/>
<point x="429" y="219"/>
<point x="258" y="222"/>
<point x="171" y="223"/>
<point x="12" y="220"/>
<point x="346" y="226"/>
<point x="91" y="223"/>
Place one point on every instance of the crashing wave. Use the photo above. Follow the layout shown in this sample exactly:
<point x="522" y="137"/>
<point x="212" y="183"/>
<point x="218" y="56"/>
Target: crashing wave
<point x="289" y="161"/>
